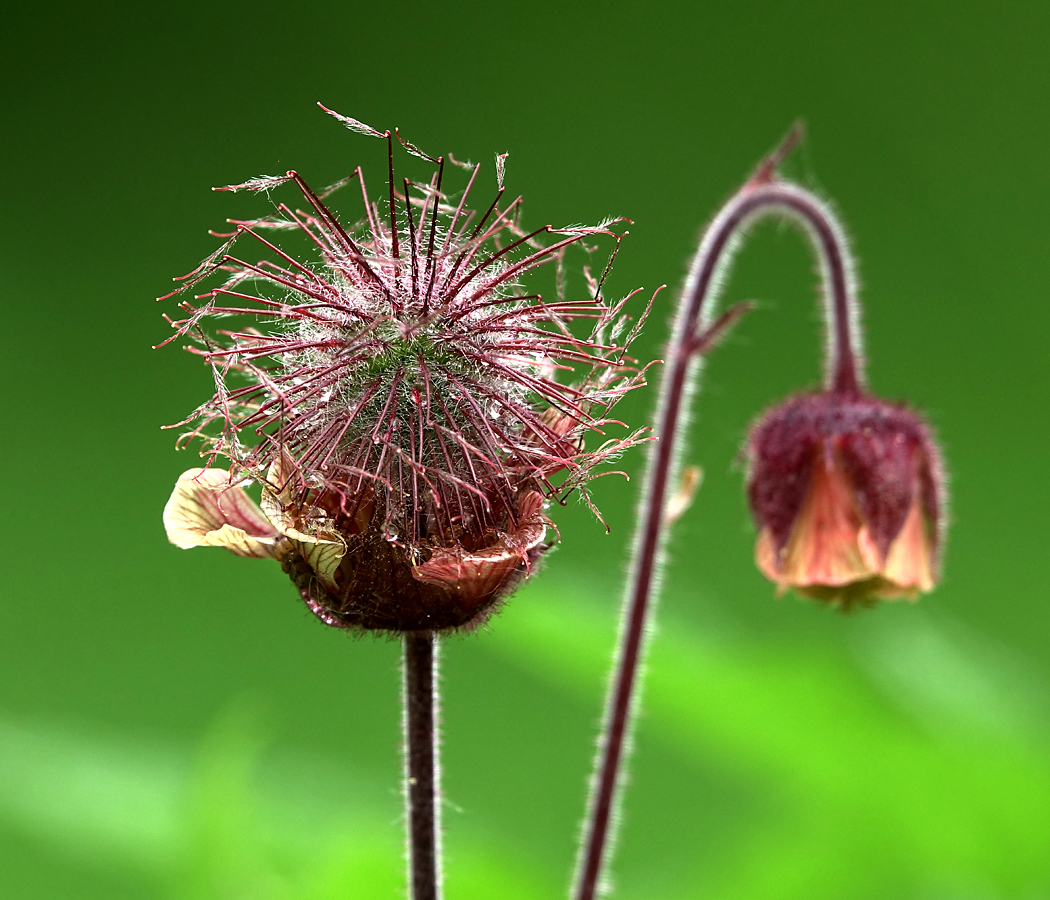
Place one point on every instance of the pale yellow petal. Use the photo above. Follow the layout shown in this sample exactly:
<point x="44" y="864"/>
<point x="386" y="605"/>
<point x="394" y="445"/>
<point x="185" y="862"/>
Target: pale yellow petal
<point x="322" y="554"/>
<point x="324" y="549"/>
<point x="207" y="510"/>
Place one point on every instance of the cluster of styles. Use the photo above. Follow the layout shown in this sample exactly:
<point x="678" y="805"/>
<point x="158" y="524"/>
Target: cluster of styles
<point x="410" y="410"/>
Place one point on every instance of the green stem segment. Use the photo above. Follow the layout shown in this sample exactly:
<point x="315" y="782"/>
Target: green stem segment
<point x="421" y="766"/>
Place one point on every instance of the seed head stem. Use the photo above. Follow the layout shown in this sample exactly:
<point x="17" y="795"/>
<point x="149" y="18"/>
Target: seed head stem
<point x="422" y="778"/>
<point x="696" y="330"/>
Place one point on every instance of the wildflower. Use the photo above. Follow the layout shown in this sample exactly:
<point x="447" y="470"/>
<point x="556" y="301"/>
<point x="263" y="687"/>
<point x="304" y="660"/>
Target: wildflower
<point x="847" y="493"/>
<point x="398" y="404"/>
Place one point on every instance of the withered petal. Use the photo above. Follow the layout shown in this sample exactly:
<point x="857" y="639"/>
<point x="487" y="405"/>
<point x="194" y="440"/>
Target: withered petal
<point x="207" y="510"/>
<point x="474" y="574"/>
<point x="323" y="550"/>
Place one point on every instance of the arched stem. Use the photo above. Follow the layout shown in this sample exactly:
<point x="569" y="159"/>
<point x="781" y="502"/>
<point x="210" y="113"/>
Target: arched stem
<point x="695" y="331"/>
<point x="844" y="364"/>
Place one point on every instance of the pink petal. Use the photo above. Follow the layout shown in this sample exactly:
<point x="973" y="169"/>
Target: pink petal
<point x="909" y="563"/>
<point x="484" y="572"/>
<point x="825" y="547"/>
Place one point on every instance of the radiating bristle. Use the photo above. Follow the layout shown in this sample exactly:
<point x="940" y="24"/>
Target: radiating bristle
<point x="409" y="363"/>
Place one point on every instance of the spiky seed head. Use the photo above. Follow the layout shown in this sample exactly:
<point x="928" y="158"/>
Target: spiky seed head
<point x="401" y="398"/>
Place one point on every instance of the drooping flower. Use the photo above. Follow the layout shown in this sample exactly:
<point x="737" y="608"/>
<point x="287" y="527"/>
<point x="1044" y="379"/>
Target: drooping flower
<point x="407" y="405"/>
<point x="848" y="495"/>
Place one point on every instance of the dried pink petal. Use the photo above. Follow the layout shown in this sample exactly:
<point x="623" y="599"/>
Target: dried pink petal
<point x="481" y="573"/>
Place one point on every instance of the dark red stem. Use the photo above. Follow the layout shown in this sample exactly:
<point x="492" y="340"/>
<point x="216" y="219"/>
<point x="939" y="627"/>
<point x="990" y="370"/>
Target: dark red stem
<point x="421" y="778"/>
<point x="762" y="195"/>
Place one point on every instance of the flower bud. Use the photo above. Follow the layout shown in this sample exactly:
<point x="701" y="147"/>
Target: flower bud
<point x="848" y="497"/>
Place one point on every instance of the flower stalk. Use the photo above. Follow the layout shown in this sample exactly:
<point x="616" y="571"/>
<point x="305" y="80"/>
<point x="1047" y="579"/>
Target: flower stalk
<point x="422" y="771"/>
<point x="695" y="332"/>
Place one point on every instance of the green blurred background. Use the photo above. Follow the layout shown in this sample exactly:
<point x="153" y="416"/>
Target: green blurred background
<point x="175" y="725"/>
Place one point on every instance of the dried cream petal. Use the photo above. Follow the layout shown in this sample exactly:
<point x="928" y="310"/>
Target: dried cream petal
<point x="322" y="554"/>
<point x="683" y="497"/>
<point x="207" y="510"/>
<point x="323" y="551"/>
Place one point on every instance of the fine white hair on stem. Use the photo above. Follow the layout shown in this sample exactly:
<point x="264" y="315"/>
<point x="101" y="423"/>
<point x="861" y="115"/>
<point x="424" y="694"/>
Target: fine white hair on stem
<point x="406" y="800"/>
<point x="696" y="330"/>
<point x="439" y="802"/>
<point x="605" y="885"/>
<point x="833" y="349"/>
<point x="830" y="245"/>
<point x="421" y="785"/>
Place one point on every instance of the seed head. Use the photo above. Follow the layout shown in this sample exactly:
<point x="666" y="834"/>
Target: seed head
<point x="402" y="398"/>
